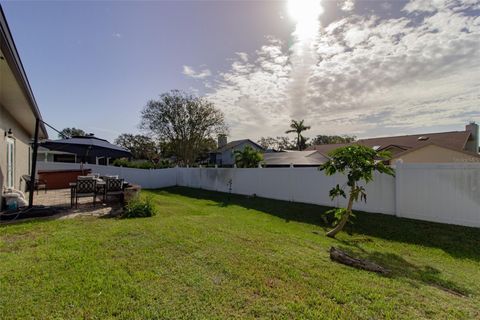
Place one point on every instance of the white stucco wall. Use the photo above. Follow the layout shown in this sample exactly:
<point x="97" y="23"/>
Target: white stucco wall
<point x="22" y="145"/>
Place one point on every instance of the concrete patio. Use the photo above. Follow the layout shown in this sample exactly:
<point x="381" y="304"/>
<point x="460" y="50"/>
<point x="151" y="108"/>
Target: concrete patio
<point x="60" y="199"/>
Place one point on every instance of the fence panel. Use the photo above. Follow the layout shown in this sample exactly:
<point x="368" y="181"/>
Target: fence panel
<point x="447" y="193"/>
<point x="148" y="179"/>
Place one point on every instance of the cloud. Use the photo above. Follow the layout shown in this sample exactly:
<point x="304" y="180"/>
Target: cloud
<point x="348" y="5"/>
<point x="117" y="35"/>
<point x="190" y="72"/>
<point x="368" y="75"/>
<point x="242" y="55"/>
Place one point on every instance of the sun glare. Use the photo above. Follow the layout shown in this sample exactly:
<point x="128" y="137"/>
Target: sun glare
<point x="302" y="10"/>
<point x="305" y="13"/>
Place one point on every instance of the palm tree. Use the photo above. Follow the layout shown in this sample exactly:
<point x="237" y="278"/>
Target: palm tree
<point x="298" y="127"/>
<point x="247" y="158"/>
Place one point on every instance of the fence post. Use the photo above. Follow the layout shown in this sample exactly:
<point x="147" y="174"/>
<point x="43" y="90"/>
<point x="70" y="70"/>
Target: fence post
<point x="176" y="174"/>
<point x="397" y="185"/>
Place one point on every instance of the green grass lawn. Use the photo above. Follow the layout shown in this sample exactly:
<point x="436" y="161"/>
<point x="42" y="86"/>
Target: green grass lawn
<point x="209" y="255"/>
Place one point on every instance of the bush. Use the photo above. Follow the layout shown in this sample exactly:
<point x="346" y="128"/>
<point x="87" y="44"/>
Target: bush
<point x="141" y="164"/>
<point x="139" y="207"/>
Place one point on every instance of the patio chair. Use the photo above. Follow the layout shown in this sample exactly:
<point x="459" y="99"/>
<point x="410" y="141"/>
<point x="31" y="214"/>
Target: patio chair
<point x="86" y="187"/>
<point x="39" y="183"/>
<point x="113" y="187"/>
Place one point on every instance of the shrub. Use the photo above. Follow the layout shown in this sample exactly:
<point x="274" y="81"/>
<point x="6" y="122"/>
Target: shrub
<point x="142" y="164"/>
<point x="139" y="207"/>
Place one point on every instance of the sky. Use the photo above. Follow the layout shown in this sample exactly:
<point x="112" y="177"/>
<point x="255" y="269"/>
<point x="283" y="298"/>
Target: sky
<point x="363" y="68"/>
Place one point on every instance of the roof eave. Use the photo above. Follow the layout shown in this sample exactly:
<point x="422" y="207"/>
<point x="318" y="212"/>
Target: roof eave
<point x="17" y="68"/>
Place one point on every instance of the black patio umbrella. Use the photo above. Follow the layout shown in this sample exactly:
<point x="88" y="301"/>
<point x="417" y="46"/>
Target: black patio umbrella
<point x="86" y="147"/>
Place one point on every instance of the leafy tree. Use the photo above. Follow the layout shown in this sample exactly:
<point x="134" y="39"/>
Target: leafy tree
<point x="184" y="122"/>
<point x="248" y="157"/>
<point x="278" y="143"/>
<point x="298" y="127"/>
<point x="70" y="132"/>
<point x="284" y="143"/>
<point x="358" y="163"/>
<point x="206" y="146"/>
<point x="304" y="143"/>
<point x="141" y="147"/>
<point x="268" y="143"/>
<point x="325" y="139"/>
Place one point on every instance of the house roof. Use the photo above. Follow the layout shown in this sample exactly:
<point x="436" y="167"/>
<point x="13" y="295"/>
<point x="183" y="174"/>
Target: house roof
<point x="297" y="158"/>
<point x="17" y="95"/>
<point x="454" y="140"/>
<point x="235" y="143"/>
<point x="398" y="155"/>
<point x="326" y="148"/>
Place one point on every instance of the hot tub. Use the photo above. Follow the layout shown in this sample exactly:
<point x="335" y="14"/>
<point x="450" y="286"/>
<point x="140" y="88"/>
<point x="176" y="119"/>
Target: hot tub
<point x="59" y="179"/>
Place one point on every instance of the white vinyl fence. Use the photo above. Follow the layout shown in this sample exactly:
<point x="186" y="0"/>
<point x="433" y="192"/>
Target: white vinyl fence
<point x="307" y="185"/>
<point x="148" y="179"/>
<point x="446" y="193"/>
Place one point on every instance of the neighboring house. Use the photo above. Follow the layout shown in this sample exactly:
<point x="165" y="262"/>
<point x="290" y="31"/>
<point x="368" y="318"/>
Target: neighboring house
<point x="224" y="156"/>
<point x="280" y="159"/>
<point x="440" y="147"/>
<point x="46" y="155"/>
<point x="18" y="113"/>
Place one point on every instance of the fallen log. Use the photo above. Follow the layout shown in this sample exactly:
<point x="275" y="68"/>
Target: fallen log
<point x="346" y="259"/>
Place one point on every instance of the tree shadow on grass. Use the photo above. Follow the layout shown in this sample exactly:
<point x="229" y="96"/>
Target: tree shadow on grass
<point x="289" y="211"/>
<point x="413" y="274"/>
<point x="459" y="242"/>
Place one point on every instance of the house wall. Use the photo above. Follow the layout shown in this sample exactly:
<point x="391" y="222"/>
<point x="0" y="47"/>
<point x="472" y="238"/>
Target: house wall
<point x="472" y="143"/>
<point x="435" y="154"/>
<point x="22" y="147"/>
<point x="228" y="158"/>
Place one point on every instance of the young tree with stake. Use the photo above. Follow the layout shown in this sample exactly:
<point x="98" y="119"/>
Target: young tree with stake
<point x="358" y="163"/>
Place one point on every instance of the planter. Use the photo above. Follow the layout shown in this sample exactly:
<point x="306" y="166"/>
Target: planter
<point x="131" y="192"/>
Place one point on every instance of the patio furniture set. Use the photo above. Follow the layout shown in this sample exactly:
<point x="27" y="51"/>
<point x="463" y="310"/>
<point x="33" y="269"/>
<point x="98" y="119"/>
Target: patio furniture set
<point x="39" y="184"/>
<point x="95" y="185"/>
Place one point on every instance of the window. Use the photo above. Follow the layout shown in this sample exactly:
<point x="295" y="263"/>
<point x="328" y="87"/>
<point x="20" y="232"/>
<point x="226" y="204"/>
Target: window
<point x="10" y="163"/>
